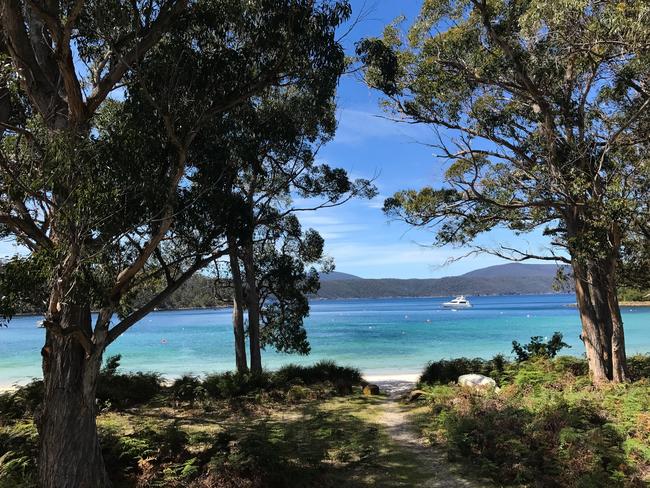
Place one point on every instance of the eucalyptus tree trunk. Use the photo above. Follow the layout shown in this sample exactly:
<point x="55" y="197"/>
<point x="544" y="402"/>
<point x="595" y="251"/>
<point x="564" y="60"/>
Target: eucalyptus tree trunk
<point x="619" y="358"/>
<point x="253" y="303"/>
<point x="238" y="309"/>
<point x="70" y="454"/>
<point x="602" y="326"/>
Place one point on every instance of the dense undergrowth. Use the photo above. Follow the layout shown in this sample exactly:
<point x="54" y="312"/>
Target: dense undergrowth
<point x="218" y="431"/>
<point x="548" y="426"/>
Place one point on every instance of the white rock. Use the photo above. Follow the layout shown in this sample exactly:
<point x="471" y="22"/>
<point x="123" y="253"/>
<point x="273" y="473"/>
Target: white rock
<point x="477" y="381"/>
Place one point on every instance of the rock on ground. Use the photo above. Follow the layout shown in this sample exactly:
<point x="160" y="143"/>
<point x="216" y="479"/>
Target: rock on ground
<point x="476" y="381"/>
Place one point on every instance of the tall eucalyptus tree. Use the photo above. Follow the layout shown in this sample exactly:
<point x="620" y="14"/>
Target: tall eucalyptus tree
<point x="542" y="109"/>
<point x="109" y="193"/>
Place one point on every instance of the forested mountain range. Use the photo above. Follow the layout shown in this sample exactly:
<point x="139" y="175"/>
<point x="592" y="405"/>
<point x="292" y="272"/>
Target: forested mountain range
<point x="505" y="279"/>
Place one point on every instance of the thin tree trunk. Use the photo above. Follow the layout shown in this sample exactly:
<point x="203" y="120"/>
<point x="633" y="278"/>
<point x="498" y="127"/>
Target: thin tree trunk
<point x="238" y="309"/>
<point x="253" y="302"/>
<point x="70" y="455"/>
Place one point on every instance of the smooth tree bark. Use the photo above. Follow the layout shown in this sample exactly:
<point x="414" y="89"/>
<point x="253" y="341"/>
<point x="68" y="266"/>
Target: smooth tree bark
<point x="237" y="308"/>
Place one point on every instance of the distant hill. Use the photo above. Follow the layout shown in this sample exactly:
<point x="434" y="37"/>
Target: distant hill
<point x="505" y="279"/>
<point x="516" y="269"/>
<point x="336" y="276"/>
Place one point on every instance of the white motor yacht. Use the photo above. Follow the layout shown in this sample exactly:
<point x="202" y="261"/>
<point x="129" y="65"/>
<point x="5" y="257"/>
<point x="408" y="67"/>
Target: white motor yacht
<point x="458" y="302"/>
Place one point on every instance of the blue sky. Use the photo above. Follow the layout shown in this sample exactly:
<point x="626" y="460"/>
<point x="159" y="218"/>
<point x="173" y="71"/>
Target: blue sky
<point x="358" y="235"/>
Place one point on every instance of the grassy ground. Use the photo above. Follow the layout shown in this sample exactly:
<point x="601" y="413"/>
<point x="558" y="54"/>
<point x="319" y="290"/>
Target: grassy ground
<point x="298" y="427"/>
<point x="316" y="441"/>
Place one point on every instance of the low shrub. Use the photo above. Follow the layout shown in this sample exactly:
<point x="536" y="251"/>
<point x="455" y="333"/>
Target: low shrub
<point x="231" y="385"/>
<point x="297" y="394"/>
<point x="571" y="364"/>
<point x="22" y="402"/>
<point x="321" y="372"/>
<point x="117" y="390"/>
<point x="638" y="367"/>
<point x="188" y="388"/>
<point x="18" y="453"/>
<point x="448" y="370"/>
<point x="548" y="428"/>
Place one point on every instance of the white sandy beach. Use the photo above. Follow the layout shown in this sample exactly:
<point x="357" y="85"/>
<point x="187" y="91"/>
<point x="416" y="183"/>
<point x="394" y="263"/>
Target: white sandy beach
<point x="401" y="377"/>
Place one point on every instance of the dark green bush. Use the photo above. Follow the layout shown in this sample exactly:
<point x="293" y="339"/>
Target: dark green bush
<point x="117" y="390"/>
<point x="230" y="385"/>
<point x="638" y="367"/>
<point x="321" y="372"/>
<point x="22" y="402"/>
<point x="448" y="370"/>
<point x="571" y="364"/>
<point x="188" y="388"/>
<point x="536" y="348"/>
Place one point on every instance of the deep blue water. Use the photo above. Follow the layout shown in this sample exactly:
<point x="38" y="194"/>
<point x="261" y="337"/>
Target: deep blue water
<point x="378" y="336"/>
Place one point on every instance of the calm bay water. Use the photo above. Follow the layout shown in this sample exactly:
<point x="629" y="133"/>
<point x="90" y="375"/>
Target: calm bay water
<point x="378" y="336"/>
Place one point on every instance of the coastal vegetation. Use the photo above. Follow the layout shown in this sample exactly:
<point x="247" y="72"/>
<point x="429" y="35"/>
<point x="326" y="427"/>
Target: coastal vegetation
<point x="541" y="111"/>
<point x="291" y="427"/>
<point x="311" y="426"/>
<point x="546" y="426"/>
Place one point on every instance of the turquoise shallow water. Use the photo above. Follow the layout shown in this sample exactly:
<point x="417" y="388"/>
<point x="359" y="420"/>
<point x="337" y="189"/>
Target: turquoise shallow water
<point x="378" y="336"/>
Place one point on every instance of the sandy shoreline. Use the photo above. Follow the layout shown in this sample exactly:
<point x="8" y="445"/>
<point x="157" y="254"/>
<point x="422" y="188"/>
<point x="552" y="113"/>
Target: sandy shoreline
<point x="620" y="304"/>
<point x="635" y="304"/>
<point x="400" y="377"/>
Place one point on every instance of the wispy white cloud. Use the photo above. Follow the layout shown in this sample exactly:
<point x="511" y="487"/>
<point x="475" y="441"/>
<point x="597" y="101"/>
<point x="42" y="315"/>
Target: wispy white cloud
<point x="377" y="202"/>
<point x="354" y="255"/>
<point x="331" y="224"/>
<point x="356" y="126"/>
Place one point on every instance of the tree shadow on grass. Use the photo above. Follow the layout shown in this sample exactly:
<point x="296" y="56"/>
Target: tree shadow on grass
<point x="334" y="444"/>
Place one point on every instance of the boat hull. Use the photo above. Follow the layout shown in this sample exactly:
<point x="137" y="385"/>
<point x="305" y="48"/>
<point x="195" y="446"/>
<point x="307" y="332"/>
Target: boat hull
<point x="456" y="305"/>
